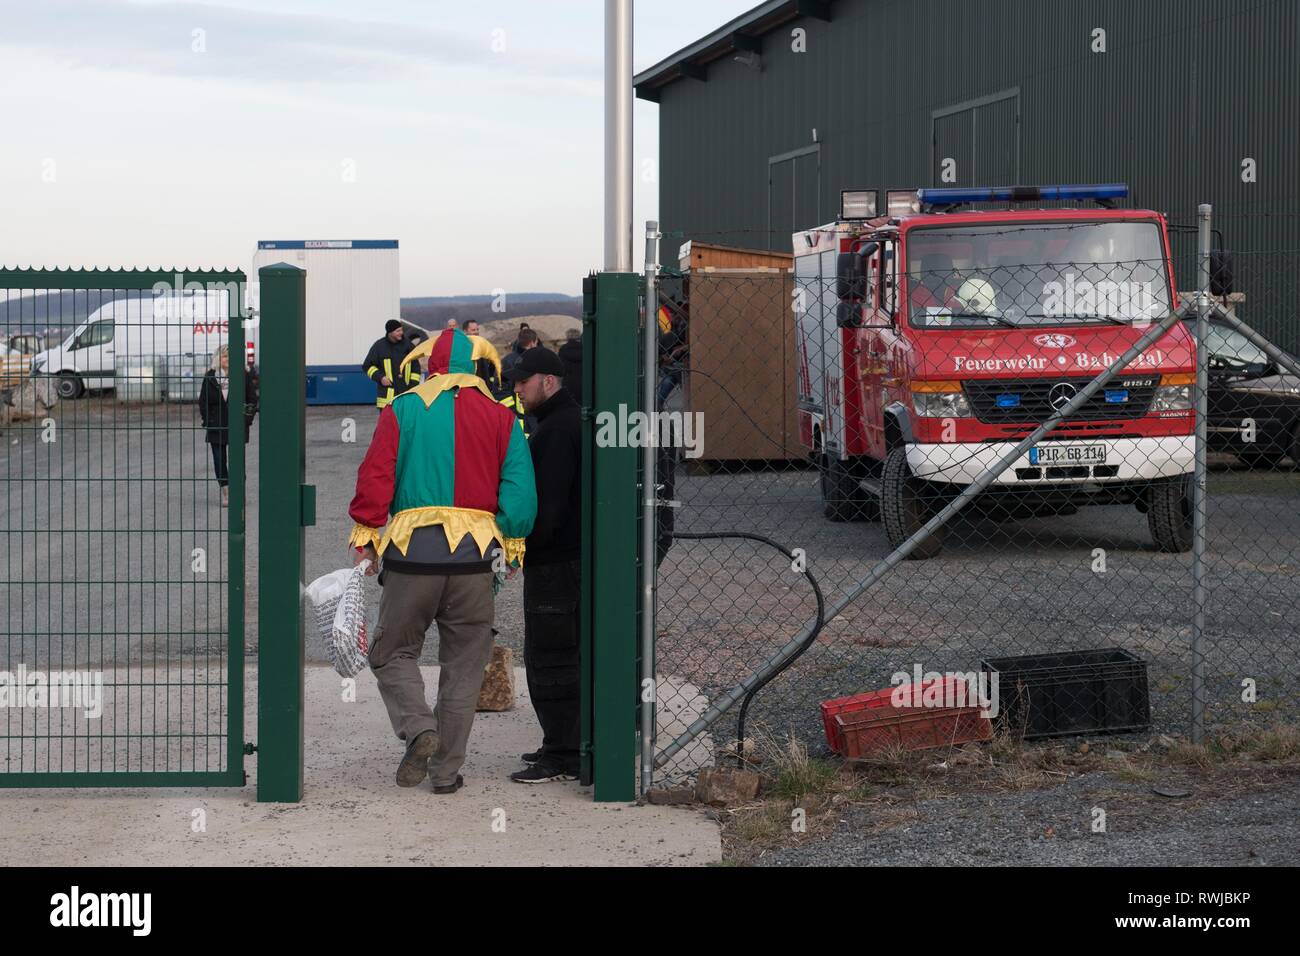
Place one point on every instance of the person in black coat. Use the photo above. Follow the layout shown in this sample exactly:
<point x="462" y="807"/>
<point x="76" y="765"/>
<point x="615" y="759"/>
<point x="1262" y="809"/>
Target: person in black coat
<point x="552" y="567"/>
<point x="214" y="413"/>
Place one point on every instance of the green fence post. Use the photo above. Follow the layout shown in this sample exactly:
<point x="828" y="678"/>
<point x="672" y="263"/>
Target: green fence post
<point x="237" y="538"/>
<point x="285" y="507"/>
<point x="611" y="506"/>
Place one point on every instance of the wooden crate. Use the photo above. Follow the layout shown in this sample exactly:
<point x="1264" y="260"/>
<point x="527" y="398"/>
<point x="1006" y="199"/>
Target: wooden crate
<point x="741" y="372"/>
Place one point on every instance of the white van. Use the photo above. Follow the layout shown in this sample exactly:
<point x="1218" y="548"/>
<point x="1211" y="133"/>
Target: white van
<point x="151" y="326"/>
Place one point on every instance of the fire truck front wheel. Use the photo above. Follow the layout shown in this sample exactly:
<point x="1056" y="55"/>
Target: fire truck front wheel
<point x="842" y="496"/>
<point x="1169" y="513"/>
<point x="905" y="506"/>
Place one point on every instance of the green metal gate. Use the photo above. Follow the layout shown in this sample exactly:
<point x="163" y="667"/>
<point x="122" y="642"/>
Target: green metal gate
<point x="122" y="594"/>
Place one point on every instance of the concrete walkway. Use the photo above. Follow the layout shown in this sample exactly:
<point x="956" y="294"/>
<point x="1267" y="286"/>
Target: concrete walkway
<point x="352" y="813"/>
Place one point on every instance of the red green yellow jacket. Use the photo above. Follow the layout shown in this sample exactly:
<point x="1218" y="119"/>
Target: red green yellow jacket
<point x="446" y="454"/>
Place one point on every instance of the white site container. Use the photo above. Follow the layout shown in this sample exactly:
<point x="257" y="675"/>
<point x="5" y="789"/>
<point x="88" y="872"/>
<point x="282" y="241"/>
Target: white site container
<point x="353" y="288"/>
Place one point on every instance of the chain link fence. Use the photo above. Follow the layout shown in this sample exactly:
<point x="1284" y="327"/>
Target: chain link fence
<point x="828" y="411"/>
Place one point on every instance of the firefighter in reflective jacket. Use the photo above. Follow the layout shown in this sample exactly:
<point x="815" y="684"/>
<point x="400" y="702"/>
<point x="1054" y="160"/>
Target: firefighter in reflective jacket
<point x="516" y="405"/>
<point x="385" y="367"/>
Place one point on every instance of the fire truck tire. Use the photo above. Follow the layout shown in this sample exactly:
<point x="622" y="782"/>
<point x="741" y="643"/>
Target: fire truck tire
<point x="1169" y="514"/>
<point x="903" y="509"/>
<point x="842" y="497"/>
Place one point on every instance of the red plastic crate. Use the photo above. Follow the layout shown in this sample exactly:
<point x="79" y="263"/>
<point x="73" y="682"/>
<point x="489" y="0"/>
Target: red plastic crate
<point x="867" y="732"/>
<point x="871" y="701"/>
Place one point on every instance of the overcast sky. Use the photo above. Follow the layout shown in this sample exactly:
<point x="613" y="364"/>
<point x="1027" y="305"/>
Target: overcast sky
<point x="168" y="134"/>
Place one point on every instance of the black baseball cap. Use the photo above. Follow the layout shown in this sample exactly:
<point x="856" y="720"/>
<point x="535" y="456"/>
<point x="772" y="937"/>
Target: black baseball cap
<point x="535" y="361"/>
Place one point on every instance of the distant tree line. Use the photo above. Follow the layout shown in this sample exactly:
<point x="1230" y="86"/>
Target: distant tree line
<point x="436" y="316"/>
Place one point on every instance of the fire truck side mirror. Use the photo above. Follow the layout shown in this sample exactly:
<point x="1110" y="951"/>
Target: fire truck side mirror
<point x="848" y="315"/>
<point x="850" y="276"/>
<point x="1220" y="272"/>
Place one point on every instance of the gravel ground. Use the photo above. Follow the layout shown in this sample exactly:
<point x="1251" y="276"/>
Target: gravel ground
<point x="1233" y="818"/>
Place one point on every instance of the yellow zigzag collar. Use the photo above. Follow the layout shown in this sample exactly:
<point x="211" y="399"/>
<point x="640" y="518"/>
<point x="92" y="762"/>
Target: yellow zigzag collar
<point x="433" y="387"/>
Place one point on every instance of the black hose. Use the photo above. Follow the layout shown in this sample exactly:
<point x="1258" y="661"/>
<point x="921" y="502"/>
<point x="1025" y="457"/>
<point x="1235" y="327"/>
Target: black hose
<point x="812" y="635"/>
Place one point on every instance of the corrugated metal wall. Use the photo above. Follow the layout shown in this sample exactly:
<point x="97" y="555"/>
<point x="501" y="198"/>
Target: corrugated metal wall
<point x="1186" y="90"/>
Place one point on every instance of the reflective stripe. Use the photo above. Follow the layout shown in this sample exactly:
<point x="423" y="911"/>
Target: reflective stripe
<point x="370" y="372"/>
<point x="388" y="370"/>
<point x="513" y="403"/>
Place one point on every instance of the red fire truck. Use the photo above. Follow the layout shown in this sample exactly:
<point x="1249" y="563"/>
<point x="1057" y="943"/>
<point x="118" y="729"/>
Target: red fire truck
<point x="935" y="336"/>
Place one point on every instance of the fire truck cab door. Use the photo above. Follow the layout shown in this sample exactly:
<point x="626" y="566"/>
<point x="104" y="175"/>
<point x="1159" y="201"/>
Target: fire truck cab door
<point x="826" y="349"/>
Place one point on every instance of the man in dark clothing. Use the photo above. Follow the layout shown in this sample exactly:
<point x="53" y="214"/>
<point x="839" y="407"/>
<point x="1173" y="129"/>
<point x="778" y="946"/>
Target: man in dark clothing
<point x="508" y="397"/>
<point x="527" y="339"/>
<point x="383" y="364"/>
<point x="552" y="565"/>
<point x="571" y="355"/>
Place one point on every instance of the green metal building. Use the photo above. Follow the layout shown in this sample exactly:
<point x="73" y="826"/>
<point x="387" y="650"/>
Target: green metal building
<point x="765" y="120"/>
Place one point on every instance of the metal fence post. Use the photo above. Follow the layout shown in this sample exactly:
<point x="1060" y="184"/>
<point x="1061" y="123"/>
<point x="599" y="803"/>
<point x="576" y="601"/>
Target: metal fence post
<point x="649" y="494"/>
<point x="286" y="506"/>
<point x="1203" y="213"/>
<point x="237" y="533"/>
<point x="610" y="509"/>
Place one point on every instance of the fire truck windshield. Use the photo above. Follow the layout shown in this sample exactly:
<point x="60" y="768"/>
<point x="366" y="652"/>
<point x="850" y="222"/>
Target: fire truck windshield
<point x="1050" y="273"/>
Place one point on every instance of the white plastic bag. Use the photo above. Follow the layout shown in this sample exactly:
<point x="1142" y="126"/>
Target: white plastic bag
<point x="340" y="601"/>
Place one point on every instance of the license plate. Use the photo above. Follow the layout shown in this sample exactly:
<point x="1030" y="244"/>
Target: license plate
<point x="1068" y="455"/>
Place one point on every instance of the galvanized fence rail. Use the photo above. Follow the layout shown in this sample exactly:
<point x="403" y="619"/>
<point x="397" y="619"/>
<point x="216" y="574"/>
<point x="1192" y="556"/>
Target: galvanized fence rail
<point x="971" y="540"/>
<point x="122" y="594"/>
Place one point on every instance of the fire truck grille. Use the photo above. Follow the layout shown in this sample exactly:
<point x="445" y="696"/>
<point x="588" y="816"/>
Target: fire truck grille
<point x="1002" y="401"/>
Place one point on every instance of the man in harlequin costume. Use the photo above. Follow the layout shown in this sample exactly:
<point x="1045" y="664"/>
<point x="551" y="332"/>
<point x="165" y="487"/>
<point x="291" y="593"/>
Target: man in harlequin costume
<point x="445" y="496"/>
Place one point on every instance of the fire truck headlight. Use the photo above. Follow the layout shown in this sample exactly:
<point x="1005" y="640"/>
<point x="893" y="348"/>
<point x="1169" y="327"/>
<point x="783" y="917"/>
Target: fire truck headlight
<point x="941" y="404"/>
<point x="1172" y="398"/>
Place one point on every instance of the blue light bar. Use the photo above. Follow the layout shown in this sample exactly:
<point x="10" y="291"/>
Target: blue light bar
<point x="950" y="196"/>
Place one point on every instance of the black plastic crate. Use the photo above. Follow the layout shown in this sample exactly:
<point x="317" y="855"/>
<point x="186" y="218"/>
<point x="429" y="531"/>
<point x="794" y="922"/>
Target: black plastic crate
<point x="1075" y="692"/>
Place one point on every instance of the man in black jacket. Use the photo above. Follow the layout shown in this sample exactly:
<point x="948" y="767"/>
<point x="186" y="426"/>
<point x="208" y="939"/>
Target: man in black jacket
<point x="552" y="566"/>
<point x="383" y="364"/>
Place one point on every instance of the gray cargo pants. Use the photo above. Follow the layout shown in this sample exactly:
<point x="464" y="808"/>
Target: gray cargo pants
<point x="463" y="607"/>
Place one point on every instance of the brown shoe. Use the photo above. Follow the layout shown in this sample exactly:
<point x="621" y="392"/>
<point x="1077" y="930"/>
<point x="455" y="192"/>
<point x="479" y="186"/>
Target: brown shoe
<point x="415" y="762"/>
<point x="451" y="787"/>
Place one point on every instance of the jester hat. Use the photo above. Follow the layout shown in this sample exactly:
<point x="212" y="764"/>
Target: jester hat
<point x="452" y="351"/>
